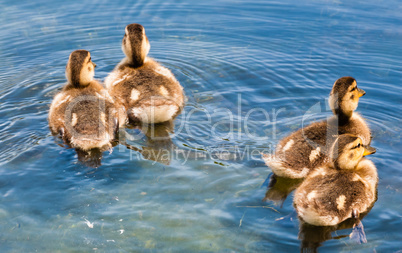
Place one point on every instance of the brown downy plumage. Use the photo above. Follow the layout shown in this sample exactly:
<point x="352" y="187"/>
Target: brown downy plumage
<point x="297" y="154"/>
<point x="83" y="113"/>
<point x="341" y="189"/>
<point x="149" y="92"/>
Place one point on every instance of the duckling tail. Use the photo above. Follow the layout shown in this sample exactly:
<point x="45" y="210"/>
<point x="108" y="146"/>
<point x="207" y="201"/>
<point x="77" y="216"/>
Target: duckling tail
<point x="89" y="143"/>
<point x="271" y="160"/>
<point x="154" y="110"/>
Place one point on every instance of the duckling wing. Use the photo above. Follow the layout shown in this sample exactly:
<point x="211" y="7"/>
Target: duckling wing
<point x="92" y="122"/>
<point x="56" y="112"/>
<point x="150" y="93"/>
<point x="155" y="109"/>
<point x="86" y="117"/>
<point x="302" y="151"/>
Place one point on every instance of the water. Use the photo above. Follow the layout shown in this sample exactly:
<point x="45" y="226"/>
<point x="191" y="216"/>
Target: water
<point x="239" y="62"/>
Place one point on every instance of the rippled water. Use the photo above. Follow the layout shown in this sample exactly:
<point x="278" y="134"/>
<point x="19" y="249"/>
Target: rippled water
<point x="251" y="71"/>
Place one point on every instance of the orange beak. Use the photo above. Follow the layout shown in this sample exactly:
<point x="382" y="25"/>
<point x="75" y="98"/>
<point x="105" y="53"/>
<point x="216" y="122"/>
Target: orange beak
<point x="368" y="150"/>
<point x="361" y="92"/>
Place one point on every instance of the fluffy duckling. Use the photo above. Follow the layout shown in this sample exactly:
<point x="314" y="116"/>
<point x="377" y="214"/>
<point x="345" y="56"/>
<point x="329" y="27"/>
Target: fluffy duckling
<point x="149" y="92"/>
<point x="342" y="189"/>
<point x="297" y="154"/>
<point x="83" y="113"/>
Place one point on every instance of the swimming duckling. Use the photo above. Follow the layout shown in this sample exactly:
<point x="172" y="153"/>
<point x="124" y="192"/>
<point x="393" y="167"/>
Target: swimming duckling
<point x="149" y="92"/>
<point x="297" y="154"/>
<point x="83" y="113"/>
<point x="341" y="189"/>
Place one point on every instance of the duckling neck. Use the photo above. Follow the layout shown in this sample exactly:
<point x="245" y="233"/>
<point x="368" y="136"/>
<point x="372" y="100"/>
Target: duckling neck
<point x="135" y="61"/>
<point x="71" y="86"/>
<point x="343" y="118"/>
<point x="135" y="64"/>
<point x="335" y="165"/>
<point x="343" y="167"/>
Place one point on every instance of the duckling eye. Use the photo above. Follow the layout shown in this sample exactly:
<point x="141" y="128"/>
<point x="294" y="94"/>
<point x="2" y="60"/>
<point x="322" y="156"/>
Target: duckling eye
<point x="354" y="88"/>
<point x="358" y="146"/>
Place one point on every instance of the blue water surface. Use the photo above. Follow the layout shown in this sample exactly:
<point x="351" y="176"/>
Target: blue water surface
<point x="253" y="72"/>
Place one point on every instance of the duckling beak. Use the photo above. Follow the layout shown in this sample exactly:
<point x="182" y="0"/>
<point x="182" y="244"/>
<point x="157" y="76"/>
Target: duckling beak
<point x="94" y="65"/>
<point x="368" y="150"/>
<point x="361" y="92"/>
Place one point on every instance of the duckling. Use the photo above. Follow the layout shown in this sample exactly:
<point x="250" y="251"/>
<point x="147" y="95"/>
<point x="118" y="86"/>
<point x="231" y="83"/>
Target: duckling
<point x="297" y="154"/>
<point x="149" y="92"/>
<point x="83" y="113"/>
<point x="341" y="189"/>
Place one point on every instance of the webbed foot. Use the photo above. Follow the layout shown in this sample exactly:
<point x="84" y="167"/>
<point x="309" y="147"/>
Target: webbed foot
<point x="358" y="234"/>
<point x="116" y="128"/>
<point x="61" y="132"/>
<point x="355" y="214"/>
<point x="272" y="181"/>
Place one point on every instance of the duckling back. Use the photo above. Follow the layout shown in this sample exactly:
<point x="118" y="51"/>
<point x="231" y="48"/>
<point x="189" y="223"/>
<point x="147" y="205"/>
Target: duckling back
<point x="86" y="118"/>
<point x="299" y="153"/>
<point x="149" y="92"/>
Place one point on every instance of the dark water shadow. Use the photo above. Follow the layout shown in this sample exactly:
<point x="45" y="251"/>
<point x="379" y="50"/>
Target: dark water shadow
<point x="90" y="158"/>
<point x="279" y="188"/>
<point x="312" y="237"/>
<point x="158" y="143"/>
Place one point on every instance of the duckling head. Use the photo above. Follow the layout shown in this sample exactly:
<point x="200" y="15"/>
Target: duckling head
<point x="348" y="150"/>
<point x="80" y="69"/>
<point x="344" y="96"/>
<point x="135" y="44"/>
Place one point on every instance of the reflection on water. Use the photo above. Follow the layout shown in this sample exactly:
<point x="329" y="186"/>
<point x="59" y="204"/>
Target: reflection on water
<point x="91" y="158"/>
<point x="312" y="237"/>
<point x="280" y="187"/>
<point x="158" y="146"/>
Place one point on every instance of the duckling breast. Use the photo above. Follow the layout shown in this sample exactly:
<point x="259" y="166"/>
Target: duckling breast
<point x="154" y="110"/>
